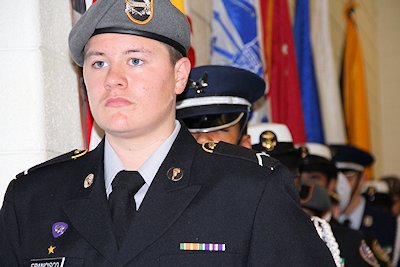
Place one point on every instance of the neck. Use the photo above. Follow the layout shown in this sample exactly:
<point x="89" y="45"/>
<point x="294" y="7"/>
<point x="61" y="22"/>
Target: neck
<point x="134" y="151"/>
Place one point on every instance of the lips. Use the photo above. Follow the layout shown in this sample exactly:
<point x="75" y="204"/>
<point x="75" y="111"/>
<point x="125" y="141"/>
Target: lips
<point x="118" y="102"/>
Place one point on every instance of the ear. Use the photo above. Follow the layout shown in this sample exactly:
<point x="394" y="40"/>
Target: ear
<point x="182" y="70"/>
<point x="246" y="141"/>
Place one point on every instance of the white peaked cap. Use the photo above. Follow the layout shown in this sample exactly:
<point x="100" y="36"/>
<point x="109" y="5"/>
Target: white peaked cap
<point x="380" y="186"/>
<point x="317" y="149"/>
<point x="281" y="131"/>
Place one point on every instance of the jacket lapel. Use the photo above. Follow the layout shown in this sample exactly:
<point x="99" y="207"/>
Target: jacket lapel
<point x="89" y="211"/>
<point x="165" y="200"/>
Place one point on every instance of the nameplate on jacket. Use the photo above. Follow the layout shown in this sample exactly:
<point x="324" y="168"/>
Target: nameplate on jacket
<point x="48" y="262"/>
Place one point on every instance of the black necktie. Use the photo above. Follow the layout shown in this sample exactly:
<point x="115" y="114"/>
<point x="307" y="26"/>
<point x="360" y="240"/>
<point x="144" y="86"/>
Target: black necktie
<point x="122" y="201"/>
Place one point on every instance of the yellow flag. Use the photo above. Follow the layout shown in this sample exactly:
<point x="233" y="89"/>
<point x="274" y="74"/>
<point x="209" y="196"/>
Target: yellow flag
<point x="354" y="85"/>
<point x="183" y="7"/>
<point x="179" y="4"/>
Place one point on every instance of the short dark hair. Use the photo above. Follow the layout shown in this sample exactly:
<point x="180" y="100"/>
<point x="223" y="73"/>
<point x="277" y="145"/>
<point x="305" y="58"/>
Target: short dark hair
<point x="174" y="54"/>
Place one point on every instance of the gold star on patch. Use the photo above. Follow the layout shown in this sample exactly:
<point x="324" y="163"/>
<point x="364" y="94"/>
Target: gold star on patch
<point x="51" y="249"/>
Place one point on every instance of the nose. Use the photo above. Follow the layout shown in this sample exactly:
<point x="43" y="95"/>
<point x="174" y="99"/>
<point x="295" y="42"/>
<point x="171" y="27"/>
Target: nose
<point x="115" y="78"/>
<point x="202" y="138"/>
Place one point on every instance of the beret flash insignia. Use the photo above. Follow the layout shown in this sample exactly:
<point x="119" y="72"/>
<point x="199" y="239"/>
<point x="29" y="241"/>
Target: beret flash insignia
<point x="139" y="11"/>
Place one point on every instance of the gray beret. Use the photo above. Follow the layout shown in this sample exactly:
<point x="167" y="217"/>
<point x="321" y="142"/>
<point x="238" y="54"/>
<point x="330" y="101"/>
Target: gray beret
<point x="156" y="19"/>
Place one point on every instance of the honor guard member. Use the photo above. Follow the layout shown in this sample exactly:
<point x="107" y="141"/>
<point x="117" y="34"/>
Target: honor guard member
<point x="346" y="244"/>
<point x="393" y="183"/>
<point x="276" y="140"/>
<point x="149" y="194"/>
<point x="378" y="225"/>
<point x="317" y="167"/>
<point x="377" y="192"/>
<point x="217" y="102"/>
<point x="315" y="201"/>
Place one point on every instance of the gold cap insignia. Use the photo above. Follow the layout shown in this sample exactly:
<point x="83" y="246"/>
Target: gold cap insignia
<point x="304" y="151"/>
<point x="268" y="140"/>
<point x="88" y="180"/>
<point x="139" y="11"/>
<point x="175" y="174"/>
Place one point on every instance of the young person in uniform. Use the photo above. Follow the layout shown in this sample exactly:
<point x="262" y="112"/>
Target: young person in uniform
<point x="217" y="102"/>
<point x="149" y="194"/>
<point x="377" y="223"/>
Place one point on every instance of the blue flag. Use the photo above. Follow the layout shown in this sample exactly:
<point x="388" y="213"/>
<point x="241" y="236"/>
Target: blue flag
<point x="235" y="41"/>
<point x="234" y="38"/>
<point x="308" y="84"/>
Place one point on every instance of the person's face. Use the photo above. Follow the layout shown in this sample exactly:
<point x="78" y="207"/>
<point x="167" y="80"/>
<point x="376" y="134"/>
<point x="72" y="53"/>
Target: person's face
<point x="315" y="177"/>
<point x="131" y="83"/>
<point x="356" y="180"/>
<point x="229" y="135"/>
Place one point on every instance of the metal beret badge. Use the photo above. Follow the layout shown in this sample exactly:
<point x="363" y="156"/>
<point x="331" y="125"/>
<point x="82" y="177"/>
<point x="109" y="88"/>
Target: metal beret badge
<point x="139" y="11"/>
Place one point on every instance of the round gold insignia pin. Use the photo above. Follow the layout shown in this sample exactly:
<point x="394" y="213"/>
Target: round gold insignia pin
<point x="175" y="174"/>
<point x="368" y="221"/>
<point x="88" y="180"/>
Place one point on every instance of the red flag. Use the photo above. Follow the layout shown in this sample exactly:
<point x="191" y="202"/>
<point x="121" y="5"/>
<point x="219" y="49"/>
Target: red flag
<point x="284" y="86"/>
<point x="78" y="8"/>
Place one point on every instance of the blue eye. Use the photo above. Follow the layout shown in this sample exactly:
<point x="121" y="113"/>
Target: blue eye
<point x="100" y="64"/>
<point x="135" y="61"/>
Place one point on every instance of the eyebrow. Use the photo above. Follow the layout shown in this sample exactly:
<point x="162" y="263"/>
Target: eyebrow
<point x="130" y="51"/>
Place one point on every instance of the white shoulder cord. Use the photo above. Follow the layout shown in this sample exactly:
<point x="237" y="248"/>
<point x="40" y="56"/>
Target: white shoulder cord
<point x="324" y="231"/>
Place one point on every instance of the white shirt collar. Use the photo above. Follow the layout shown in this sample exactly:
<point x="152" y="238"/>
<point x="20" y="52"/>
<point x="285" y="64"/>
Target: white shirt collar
<point x="148" y="170"/>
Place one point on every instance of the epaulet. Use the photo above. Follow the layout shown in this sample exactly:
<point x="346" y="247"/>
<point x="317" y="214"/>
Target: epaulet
<point x="229" y="150"/>
<point x="74" y="154"/>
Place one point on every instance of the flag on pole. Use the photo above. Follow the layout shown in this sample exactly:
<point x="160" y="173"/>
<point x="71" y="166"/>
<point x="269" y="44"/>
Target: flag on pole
<point x="354" y="85"/>
<point x="354" y="89"/>
<point x="234" y="39"/>
<point x="284" y="86"/>
<point x="182" y="6"/>
<point x="235" y="42"/>
<point x="326" y="74"/>
<point x="308" y="85"/>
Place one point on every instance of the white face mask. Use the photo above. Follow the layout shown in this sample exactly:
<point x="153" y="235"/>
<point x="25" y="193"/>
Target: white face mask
<point x="344" y="190"/>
